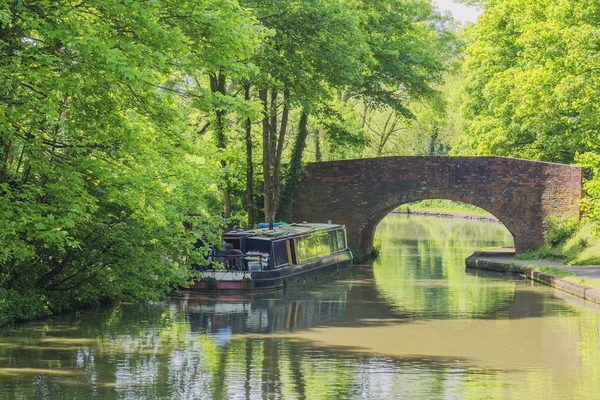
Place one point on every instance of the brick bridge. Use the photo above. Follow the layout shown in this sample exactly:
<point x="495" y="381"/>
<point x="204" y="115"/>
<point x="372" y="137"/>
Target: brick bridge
<point x="359" y="193"/>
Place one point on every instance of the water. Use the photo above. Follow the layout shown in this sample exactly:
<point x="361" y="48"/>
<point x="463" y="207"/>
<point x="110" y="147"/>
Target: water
<point x="414" y="324"/>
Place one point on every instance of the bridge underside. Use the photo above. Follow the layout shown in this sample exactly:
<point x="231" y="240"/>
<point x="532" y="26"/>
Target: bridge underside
<point x="360" y="193"/>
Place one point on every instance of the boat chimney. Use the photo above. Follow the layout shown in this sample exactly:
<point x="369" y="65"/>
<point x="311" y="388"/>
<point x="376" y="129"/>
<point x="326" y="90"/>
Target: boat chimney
<point x="271" y="223"/>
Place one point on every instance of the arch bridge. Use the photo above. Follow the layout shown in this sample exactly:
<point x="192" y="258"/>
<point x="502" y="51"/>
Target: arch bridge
<point x="360" y="193"/>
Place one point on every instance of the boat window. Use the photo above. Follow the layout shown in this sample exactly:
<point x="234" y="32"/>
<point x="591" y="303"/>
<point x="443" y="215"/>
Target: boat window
<point x="302" y="253"/>
<point x="263" y="246"/>
<point x="235" y="242"/>
<point x="325" y="244"/>
<point x="288" y="245"/>
<point x="311" y="246"/>
<point x="333" y="240"/>
<point x="341" y="240"/>
<point x="281" y="253"/>
<point x="307" y="248"/>
<point x="318" y="244"/>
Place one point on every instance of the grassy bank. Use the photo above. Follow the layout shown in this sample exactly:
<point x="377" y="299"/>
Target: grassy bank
<point x="569" y="242"/>
<point x="443" y="206"/>
<point x="566" y="275"/>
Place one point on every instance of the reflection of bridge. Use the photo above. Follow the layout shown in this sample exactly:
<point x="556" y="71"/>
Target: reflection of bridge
<point x="359" y="193"/>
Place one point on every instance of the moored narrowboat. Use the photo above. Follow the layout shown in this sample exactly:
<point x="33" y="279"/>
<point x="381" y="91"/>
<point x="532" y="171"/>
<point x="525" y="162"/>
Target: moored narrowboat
<point x="261" y="259"/>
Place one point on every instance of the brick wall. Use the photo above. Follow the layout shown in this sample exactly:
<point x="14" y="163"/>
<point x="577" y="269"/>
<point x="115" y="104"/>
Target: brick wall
<point x="359" y="193"/>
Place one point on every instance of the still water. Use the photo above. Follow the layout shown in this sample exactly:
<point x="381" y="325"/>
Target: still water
<point x="413" y="324"/>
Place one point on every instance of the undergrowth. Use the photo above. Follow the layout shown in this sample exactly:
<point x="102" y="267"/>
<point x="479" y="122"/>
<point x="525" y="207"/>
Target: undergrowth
<point x="569" y="242"/>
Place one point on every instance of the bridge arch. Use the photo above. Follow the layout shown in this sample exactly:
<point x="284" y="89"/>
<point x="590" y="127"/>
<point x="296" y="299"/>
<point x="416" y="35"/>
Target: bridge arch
<point x="360" y="193"/>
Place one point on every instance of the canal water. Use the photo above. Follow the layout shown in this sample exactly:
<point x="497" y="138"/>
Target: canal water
<point x="413" y="324"/>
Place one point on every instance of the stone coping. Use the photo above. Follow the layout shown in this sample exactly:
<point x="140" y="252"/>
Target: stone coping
<point x="484" y="260"/>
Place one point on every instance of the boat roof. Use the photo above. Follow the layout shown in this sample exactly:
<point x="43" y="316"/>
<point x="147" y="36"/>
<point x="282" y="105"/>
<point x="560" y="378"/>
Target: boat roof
<point x="281" y="231"/>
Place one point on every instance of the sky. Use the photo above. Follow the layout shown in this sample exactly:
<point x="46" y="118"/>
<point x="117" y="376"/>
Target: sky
<point x="460" y="12"/>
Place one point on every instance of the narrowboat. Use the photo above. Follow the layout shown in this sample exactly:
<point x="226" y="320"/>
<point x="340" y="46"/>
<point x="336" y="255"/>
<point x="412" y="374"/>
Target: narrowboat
<point x="262" y="259"/>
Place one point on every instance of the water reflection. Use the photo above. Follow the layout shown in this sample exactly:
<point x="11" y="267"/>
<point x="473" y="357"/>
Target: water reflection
<point x="297" y="308"/>
<point x="415" y="324"/>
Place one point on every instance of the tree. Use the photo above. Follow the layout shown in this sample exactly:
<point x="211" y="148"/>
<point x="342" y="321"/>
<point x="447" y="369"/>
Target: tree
<point x="100" y="168"/>
<point x="386" y="52"/>
<point x="533" y="80"/>
<point x="312" y="48"/>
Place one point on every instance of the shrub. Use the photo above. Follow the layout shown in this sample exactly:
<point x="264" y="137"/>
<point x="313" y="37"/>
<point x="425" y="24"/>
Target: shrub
<point x="590" y="204"/>
<point x="559" y="229"/>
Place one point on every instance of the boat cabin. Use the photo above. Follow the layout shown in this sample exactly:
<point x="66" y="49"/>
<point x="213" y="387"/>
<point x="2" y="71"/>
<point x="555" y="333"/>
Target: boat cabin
<point x="268" y="249"/>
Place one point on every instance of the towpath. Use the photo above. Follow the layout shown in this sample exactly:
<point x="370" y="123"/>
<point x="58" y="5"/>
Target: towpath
<point x="585" y="283"/>
<point x="507" y="256"/>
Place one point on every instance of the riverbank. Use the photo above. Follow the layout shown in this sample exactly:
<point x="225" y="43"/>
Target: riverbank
<point x="449" y="214"/>
<point x="579" y="280"/>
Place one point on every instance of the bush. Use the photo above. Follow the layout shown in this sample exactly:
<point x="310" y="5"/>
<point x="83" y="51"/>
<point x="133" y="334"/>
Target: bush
<point x="15" y="306"/>
<point x="559" y="229"/>
<point x="590" y="204"/>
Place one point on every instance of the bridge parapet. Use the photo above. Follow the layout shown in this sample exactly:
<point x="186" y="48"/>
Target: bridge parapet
<point x="360" y="193"/>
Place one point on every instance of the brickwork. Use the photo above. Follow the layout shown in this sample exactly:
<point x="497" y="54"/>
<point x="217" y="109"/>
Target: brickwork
<point x="359" y="193"/>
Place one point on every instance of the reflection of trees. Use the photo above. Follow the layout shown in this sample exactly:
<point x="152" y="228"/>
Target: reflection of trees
<point x="421" y="267"/>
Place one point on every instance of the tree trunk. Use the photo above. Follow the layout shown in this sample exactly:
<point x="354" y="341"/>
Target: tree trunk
<point x="5" y="146"/>
<point x="292" y="176"/>
<point x="217" y="84"/>
<point x="278" y="154"/>
<point x="249" y="166"/>
<point x="268" y="196"/>
<point x="317" y="147"/>
<point x="273" y="127"/>
<point x="433" y="141"/>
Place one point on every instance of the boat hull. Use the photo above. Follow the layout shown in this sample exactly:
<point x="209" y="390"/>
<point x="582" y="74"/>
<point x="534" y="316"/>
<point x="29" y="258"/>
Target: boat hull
<point x="273" y="279"/>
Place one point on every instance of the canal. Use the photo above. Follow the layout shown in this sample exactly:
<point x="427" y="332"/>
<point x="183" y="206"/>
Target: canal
<point x="411" y="324"/>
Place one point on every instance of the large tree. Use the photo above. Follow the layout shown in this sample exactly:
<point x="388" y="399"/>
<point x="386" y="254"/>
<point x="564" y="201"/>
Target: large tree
<point x="533" y="79"/>
<point x="385" y="52"/>
<point x="312" y="47"/>
<point x="100" y="167"/>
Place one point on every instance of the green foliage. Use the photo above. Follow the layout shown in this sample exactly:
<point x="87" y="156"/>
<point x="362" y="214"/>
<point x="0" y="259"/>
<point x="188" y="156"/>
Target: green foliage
<point x="580" y="247"/>
<point x="106" y="173"/>
<point x="559" y="229"/>
<point x="443" y="205"/>
<point x="409" y="45"/>
<point x="294" y="170"/>
<point x="377" y="243"/>
<point x="100" y="169"/>
<point x="590" y="205"/>
<point x="17" y="305"/>
<point x="533" y="80"/>
<point x="317" y="56"/>
<point x="560" y="273"/>
<point x="408" y="122"/>
<point x="532" y="92"/>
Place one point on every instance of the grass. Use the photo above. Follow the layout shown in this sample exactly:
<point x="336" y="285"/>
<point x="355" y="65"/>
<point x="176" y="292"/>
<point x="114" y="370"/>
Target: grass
<point x="581" y="248"/>
<point x="566" y="275"/>
<point x="377" y="244"/>
<point x="594" y="283"/>
<point x="560" y="273"/>
<point x="442" y="205"/>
